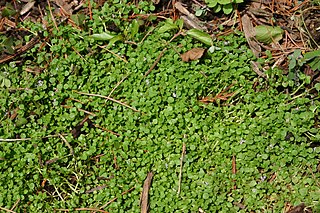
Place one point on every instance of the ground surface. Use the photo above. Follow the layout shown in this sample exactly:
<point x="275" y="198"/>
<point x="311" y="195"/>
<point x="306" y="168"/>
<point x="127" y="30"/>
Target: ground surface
<point x="108" y="112"/>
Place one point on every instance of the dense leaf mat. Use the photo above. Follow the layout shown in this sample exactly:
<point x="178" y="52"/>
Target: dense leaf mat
<point x="266" y="130"/>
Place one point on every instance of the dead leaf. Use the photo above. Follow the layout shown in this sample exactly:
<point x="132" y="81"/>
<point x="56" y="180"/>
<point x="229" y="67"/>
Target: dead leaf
<point x="190" y="20"/>
<point x="249" y="33"/>
<point x="192" y="54"/>
<point x="190" y="24"/>
<point x="27" y="7"/>
<point x="301" y="208"/>
<point x="223" y="96"/>
<point x="14" y="113"/>
<point x="65" y="6"/>
<point x="184" y="10"/>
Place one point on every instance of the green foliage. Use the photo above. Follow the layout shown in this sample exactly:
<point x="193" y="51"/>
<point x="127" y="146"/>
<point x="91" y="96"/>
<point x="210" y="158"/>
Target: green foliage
<point x="226" y="6"/>
<point x="268" y="132"/>
<point x="7" y="45"/>
<point x="297" y="60"/>
<point x="268" y="34"/>
<point x="171" y="25"/>
<point x="78" y="19"/>
<point x="8" y="10"/>
<point x="315" y="2"/>
<point x="313" y="59"/>
<point x="4" y="82"/>
<point x="201" y="36"/>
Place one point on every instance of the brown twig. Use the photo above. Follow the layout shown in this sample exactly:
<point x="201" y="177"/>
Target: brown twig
<point x="80" y="110"/>
<point x="234" y="165"/>
<point x="116" y="55"/>
<point x="298" y="6"/>
<point x="158" y="15"/>
<point x="52" y="17"/>
<point x="298" y="209"/>
<point x="74" y="49"/>
<point x="155" y="63"/>
<point x="91" y="209"/>
<point x="314" y="177"/>
<point x="90" y="9"/>
<point x="288" y="35"/>
<point x="15" y="204"/>
<point x="114" y="199"/>
<point x="223" y="95"/>
<point x="115" y="161"/>
<point x="175" y="36"/>
<point x="174" y="10"/>
<point x="87" y="112"/>
<point x="82" y="209"/>
<point x="20" y="51"/>
<point x="76" y="100"/>
<point x="117" y="85"/>
<point x="18" y="89"/>
<point x="111" y="99"/>
<point x="145" y="193"/>
<point x="107" y="130"/>
<point x="161" y="54"/>
<point x="240" y="21"/>
<point x="273" y="177"/>
<point x="146" y="35"/>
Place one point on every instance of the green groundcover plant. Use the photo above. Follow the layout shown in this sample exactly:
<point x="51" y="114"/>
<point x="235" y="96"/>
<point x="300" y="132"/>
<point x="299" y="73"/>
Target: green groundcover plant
<point x="266" y="128"/>
<point x="226" y="6"/>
